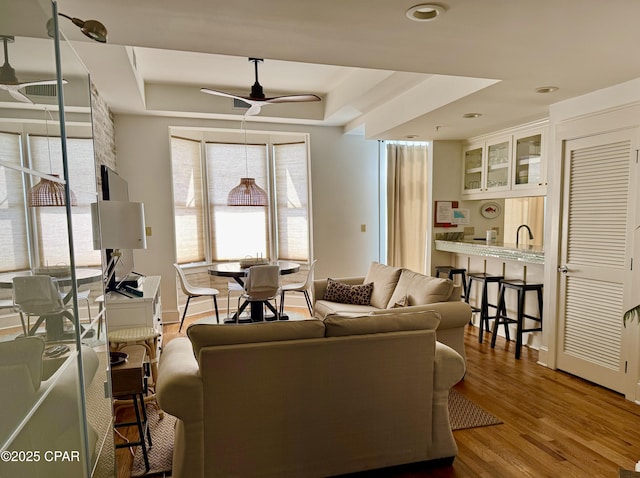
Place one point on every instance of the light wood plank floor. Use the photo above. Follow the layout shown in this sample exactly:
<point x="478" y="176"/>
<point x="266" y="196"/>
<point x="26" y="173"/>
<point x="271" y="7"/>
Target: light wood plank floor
<point x="555" y="424"/>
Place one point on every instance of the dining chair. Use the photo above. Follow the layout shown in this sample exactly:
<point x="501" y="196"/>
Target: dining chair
<point x="261" y="285"/>
<point x="192" y="291"/>
<point x="232" y="286"/>
<point x="299" y="287"/>
<point x="8" y="304"/>
<point x="38" y="296"/>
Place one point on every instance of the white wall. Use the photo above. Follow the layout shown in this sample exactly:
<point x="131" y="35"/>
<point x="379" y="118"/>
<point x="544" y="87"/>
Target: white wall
<point x="344" y="171"/>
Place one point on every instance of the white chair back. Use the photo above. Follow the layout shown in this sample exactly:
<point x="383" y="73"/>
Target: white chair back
<point x="263" y="282"/>
<point x="37" y="295"/>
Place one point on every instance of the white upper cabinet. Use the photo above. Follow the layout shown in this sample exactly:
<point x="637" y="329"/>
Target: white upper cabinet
<point x="505" y="166"/>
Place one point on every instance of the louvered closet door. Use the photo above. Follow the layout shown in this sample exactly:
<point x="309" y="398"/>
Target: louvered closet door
<point x="595" y="256"/>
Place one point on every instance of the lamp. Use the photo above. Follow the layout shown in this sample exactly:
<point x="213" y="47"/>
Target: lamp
<point x="117" y="225"/>
<point x="91" y="28"/>
<point x="247" y="193"/>
<point x="49" y="193"/>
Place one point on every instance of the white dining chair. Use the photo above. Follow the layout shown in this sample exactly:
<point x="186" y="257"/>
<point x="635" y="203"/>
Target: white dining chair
<point x="191" y="291"/>
<point x="261" y="285"/>
<point x="299" y="287"/>
<point x="38" y="296"/>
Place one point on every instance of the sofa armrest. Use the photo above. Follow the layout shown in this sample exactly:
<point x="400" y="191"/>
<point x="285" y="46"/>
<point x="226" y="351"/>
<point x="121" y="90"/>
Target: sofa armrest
<point x="454" y="314"/>
<point x="179" y="388"/>
<point x="320" y="285"/>
<point x="449" y="367"/>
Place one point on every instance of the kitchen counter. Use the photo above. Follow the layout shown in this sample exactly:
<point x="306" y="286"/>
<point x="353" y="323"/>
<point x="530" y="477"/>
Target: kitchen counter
<point x="497" y="250"/>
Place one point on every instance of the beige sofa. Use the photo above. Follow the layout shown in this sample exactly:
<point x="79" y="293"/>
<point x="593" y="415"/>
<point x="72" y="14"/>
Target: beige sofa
<point x="394" y="288"/>
<point x="309" y="398"/>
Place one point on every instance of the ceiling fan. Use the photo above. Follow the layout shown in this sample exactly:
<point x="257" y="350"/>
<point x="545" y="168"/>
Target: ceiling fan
<point x="8" y="79"/>
<point x="257" y="99"/>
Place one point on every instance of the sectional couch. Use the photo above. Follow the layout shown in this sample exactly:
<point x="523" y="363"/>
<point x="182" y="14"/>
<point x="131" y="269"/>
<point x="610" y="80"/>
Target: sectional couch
<point x="309" y="398"/>
<point x="395" y="288"/>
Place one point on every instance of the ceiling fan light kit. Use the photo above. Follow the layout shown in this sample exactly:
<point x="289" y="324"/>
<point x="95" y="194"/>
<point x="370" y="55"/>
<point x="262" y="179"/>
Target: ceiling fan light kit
<point x="257" y="99"/>
<point x="9" y="80"/>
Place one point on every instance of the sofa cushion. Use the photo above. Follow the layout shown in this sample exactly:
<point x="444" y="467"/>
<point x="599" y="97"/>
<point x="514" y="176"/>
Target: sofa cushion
<point x="323" y="308"/>
<point x="205" y="334"/>
<point x="384" y="278"/>
<point x="348" y="294"/>
<point x="421" y="289"/>
<point x="381" y="322"/>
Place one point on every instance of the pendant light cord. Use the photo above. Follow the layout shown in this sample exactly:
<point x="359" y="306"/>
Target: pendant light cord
<point x="246" y="152"/>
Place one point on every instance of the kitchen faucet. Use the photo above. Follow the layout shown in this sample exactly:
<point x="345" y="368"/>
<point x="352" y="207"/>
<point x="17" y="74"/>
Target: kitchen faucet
<point x="518" y="233"/>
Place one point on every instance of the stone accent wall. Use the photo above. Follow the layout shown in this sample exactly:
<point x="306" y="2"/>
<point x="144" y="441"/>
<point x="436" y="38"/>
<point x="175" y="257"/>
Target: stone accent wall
<point x="104" y="141"/>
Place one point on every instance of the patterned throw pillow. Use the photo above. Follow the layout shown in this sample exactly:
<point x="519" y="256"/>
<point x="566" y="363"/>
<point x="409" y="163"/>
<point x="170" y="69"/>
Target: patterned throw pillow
<point x="348" y="294"/>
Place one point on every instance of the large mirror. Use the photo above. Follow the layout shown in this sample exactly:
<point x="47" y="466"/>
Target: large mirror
<point x="53" y="354"/>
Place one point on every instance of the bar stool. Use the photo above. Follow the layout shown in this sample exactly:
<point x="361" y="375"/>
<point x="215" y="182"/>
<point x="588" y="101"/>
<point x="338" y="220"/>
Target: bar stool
<point x="450" y="272"/>
<point x="485" y="279"/>
<point x="148" y="338"/>
<point x="521" y="287"/>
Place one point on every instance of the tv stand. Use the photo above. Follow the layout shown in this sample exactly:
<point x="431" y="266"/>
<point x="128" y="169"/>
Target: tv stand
<point x="126" y="310"/>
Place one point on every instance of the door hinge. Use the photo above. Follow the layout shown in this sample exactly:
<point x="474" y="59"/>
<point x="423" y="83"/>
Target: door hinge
<point x="637" y="156"/>
<point x="631" y="263"/>
<point x="625" y="366"/>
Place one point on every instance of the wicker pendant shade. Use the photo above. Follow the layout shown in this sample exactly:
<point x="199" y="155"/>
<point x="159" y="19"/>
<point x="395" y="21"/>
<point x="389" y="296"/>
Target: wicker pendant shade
<point x="247" y="193"/>
<point x="49" y="193"/>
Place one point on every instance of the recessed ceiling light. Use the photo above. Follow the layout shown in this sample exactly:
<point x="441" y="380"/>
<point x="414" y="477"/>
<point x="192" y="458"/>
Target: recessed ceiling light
<point x="425" y="12"/>
<point x="547" y="89"/>
<point x="472" y="115"/>
<point x="411" y="136"/>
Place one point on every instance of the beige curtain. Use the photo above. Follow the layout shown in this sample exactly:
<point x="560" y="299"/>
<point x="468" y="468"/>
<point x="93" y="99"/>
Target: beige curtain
<point x="407" y="205"/>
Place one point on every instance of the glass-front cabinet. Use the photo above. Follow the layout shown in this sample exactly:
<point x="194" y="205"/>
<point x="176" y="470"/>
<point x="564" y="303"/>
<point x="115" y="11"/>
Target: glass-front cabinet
<point x="505" y="166"/>
<point x="473" y="169"/>
<point x="529" y="167"/>
<point x="55" y="420"/>
<point x="498" y="166"/>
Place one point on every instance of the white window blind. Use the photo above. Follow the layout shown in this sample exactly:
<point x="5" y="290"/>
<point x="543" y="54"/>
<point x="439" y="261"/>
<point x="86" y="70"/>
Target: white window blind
<point x="188" y="201"/>
<point x="292" y="196"/>
<point x="14" y="253"/>
<point x="236" y="231"/>
<point x="51" y="224"/>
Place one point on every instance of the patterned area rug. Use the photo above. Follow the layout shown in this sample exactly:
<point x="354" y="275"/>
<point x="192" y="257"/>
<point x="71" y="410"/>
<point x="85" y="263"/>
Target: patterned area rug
<point x="161" y="453"/>
<point x="463" y="413"/>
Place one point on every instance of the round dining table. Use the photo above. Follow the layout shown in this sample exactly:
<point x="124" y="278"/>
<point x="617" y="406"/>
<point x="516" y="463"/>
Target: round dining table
<point x="238" y="273"/>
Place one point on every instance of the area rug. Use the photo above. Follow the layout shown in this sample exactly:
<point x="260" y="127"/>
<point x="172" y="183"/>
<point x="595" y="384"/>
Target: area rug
<point x="161" y="453"/>
<point x="463" y="413"/>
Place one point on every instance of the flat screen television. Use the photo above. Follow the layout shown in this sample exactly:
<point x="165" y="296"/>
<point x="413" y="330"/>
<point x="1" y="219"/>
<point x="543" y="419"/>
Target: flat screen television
<point x="114" y="188"/>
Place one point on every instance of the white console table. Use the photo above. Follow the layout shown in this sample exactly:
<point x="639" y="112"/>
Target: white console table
<point x="146" y="311"/>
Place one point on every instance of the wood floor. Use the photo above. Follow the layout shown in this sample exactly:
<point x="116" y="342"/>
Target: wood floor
<point x="555" y="425"/>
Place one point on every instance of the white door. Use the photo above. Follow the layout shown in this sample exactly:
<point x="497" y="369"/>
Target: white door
<point x="595" y="256"/>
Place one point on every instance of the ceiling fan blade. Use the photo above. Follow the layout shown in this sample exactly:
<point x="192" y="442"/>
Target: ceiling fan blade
<point x="292" y="99"/>
<point x="226" y="95"/>
<point x="40" y="82"/>
<point x="17" y="94"/>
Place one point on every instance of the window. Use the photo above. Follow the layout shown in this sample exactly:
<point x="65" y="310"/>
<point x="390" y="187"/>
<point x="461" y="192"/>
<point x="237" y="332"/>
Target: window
<point x="47" y="225"/>
<point x="205" y="170"/>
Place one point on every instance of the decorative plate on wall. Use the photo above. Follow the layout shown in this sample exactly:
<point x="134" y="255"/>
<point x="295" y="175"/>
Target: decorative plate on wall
<point x="490" y="210"/>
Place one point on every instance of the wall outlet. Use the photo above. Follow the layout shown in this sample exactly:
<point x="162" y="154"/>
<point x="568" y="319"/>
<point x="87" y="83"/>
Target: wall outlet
<point x="469" y="231"/>
<point x="147" y="231"/>
<point x="497" y="229"/>
<point x="363" y="228"/>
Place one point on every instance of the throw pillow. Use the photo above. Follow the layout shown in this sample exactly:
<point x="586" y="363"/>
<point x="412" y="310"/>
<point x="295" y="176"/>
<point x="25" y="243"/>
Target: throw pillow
<point x="402" y="302"/>
<point x="385" y="279"/>
<point x="348" y="294"/>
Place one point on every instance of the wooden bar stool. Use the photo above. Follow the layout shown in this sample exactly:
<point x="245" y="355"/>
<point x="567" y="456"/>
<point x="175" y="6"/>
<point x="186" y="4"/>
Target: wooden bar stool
<point x="148" y="338"/>
<point x="485" y="279"/>
<point x="450" y="272"/>
<point x="521" y="287"/>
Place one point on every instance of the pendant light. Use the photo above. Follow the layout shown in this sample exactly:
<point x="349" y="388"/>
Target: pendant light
<point x="247" y="193"/>
<point x="50" y="192"/>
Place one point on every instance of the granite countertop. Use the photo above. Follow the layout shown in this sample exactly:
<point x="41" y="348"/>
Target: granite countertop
<point x="498" y="250"/>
